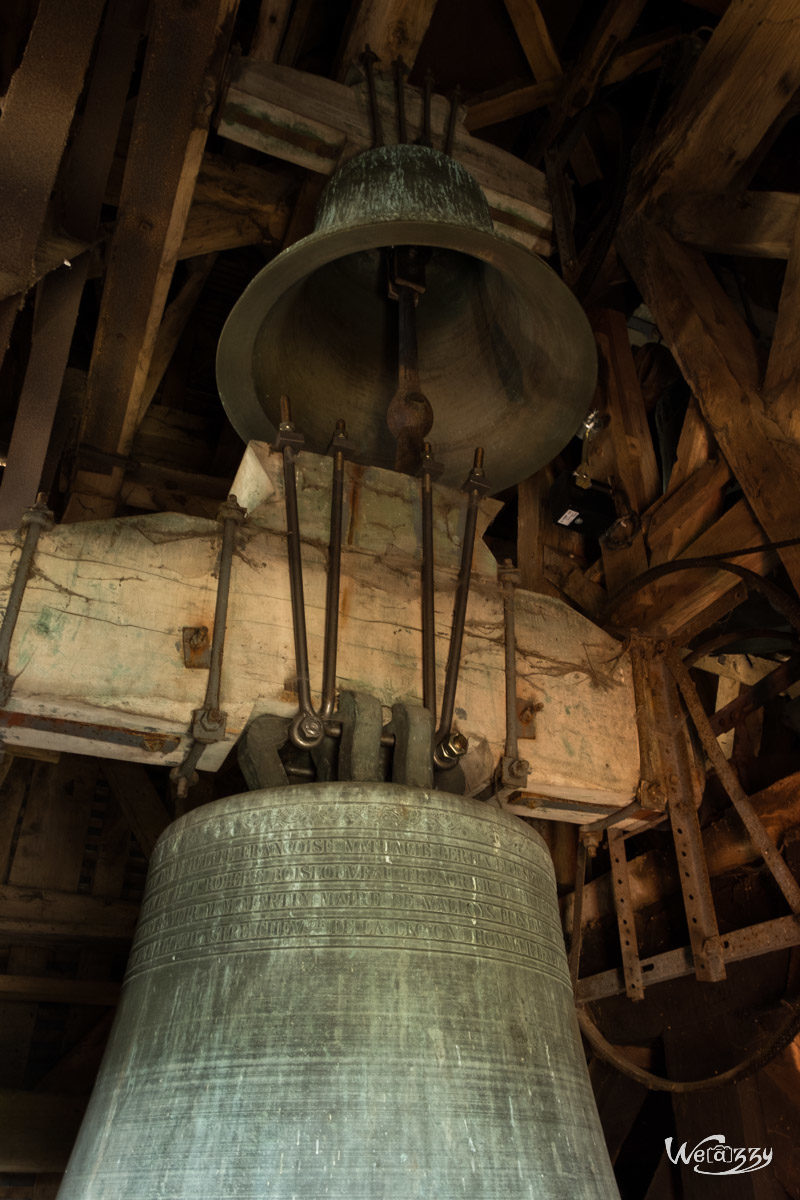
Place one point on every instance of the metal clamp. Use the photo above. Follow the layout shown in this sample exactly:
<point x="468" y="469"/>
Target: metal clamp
<point x="34" y="520"/>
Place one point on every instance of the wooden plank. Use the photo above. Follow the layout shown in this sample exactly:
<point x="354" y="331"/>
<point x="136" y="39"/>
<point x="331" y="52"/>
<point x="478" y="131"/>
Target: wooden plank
<point x="52" y="836"/>
<point x="533" y="518"/>
<point x="57" y="301"/>
<point x="13" y="791"/>
<point x="678" y="600"/>
<point x="237" y="204"/>
<point x="176" y="316"/>
<point x="179" y="85"/>
<point x="38" y="1129"/>
<point x="751" y="224"/>
<point x="43" y="913"/>
<point x="744" y="78"/>
<point x="273" y="17"/>
<point x="534" y="37"/>
<point x="580" y="83"/>
<point x="45" y="989"/>
<point x="679" y="518"/>
<point x="636" y="466"/>
<point x="782" y="377"/>
<point x="645" y="54"/>
<point x="715" y="352"/>
<point x="140" y="802"/>
<point x="38" y="110"/>
<point x="693" y="449"/>
<point x="392" y="28"/>
<point x="80" y="196"/>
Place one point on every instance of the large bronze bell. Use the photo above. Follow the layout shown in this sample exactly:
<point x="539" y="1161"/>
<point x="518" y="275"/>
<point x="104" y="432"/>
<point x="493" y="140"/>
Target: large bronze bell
<point x="352" y="991"/>
<point x="506" y="356"/>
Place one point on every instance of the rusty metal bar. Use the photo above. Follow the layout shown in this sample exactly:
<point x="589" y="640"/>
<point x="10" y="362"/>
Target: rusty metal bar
<point x="730" y="781"/>
<point x="779" y="934"/>
<point x="577" y="915"/>
<point x="681" y="785"/>
<point x="340" y="449"/>
<point x="428" y="585"/>
<point x="626" y="916"/>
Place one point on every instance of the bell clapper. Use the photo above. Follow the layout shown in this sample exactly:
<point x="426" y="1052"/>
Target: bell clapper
<point x="409" y="415"/>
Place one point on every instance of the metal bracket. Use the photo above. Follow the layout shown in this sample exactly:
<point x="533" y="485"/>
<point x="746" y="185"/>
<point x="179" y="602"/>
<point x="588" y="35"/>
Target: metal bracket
<point x="626" y="916"/>
<point x="196" y="647"/>
<point x="682" y="790"/>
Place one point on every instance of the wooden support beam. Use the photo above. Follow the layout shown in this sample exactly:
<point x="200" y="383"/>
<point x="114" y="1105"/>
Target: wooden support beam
<point x="580" y="83"/>
<point x="39" y="1130"/>
<point x="145" y="810"/>
<point x="740" y="87"/>
<point x="176" y="315"/>
<point x="715" y="352"/>
<point x="45" y="914"/>
<point x="751" y="224"/>
<point x="38" y="110"/>
<point x="637" y="469"/>
<point x="273" y="17"/>
<point x="692" y="598"/>
<point x="653" y="876"/>
<point x="677" y="519"/>
<point x="645" y="54"/>
<point x="48" y="990"/>
<point x="392" y="28"/>
<point x="179" y="86"/>
<point x="80" y="197"/>
<point x="534" y="37"/>
<point x="782" y="379"/>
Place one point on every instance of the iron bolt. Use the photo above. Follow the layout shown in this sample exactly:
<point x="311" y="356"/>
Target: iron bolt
<point x="519" y="768"/>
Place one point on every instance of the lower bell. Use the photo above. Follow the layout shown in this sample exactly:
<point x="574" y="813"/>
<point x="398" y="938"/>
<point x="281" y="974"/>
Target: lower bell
<point x="349" y="991"/>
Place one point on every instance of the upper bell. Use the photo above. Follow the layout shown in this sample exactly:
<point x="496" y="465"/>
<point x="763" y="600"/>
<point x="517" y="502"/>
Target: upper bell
<point x="506" y="356"/>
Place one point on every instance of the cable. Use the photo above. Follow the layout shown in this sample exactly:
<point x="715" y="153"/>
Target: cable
<point x="763" y="1053"/>
<point x="778" y="598"/>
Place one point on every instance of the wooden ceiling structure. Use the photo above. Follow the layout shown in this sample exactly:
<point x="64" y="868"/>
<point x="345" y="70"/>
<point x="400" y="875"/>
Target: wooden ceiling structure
<point x="653" y="158"/>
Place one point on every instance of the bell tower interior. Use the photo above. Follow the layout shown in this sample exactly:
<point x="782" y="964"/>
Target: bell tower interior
<point x="399" y="599"/>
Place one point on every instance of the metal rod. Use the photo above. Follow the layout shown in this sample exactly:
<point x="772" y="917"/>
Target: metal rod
<point x="428" y="593"/>
<point x="474" y="487"/>
<point x="368" y="59"/>
<point x="231" y="515"/>
<point x="307" y="728"/>
<point x="34" y="520"/>
<point x="400" y="72"/>
<point x="427" y="90"/>
<point x="510" y="630"/>
<point x="208" y="722"/>
<point x="334" y="576"/>
<point x="577" y="915"/>
<point x="455" y="100"/>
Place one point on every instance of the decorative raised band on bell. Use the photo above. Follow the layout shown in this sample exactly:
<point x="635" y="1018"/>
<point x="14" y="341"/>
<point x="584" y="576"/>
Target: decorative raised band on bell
<point x="351" y="991"/>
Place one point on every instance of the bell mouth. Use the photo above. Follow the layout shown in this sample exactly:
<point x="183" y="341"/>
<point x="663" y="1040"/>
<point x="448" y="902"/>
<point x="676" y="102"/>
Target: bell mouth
<point x="506" y="355"/>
